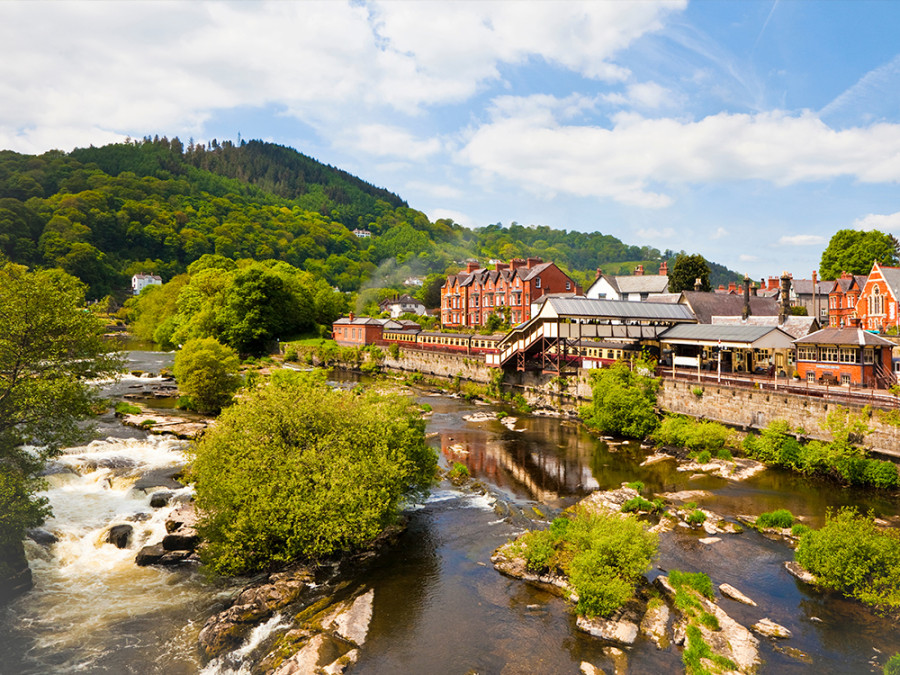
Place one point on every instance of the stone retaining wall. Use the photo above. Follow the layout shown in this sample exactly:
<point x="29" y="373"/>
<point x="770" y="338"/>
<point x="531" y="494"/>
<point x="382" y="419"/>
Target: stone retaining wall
<point x="755" y="409"/>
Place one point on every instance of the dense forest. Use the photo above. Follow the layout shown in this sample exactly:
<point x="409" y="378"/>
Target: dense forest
<point x="156" y="205"/>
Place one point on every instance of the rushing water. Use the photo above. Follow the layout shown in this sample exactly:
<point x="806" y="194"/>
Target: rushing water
<point x="439" y="605"/>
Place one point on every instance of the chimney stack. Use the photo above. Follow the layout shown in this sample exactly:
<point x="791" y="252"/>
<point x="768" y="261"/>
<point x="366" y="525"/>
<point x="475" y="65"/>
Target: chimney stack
<point x="664" y="269"/>
<point x="698" y="284"/>
<point x="531" y="262"/>
<point x="732" y="288"/>
<point x="785" y="298"/>
<point x="639" y="271"/>
<point x="599" y="272"/>
<point x="746" y="313"/>
<point x="351" y="316"/>
<point x="471" y="266"/>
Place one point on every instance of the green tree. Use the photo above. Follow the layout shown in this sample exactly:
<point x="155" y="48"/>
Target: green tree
<point x="298" y="470"/>
<point x="208" y="372"/>
<point x="623" y="401"/>
<point x="685" y="272"/>
<point x="854" y="251"/>
<point x="51" y="347"/>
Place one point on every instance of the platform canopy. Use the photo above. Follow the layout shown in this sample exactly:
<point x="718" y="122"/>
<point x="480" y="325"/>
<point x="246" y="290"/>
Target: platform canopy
<point x="728" y="337"/>
<point x="614" y="310"/>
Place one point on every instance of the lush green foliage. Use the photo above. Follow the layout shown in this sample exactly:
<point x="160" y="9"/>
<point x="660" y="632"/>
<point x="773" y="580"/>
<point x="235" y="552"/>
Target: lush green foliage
<point x="641" y="504"/>
<point x="696" y="517"/>
<point x="458" y="472"/>
<point x="854" y="251"/>
<point x="780" y="518"/>
<point x="623" y="401"/>
<point x="697" y="436"/>
<point x="853" y="555"/>
<point x="603" y="556"/>
<point x="208" y="372"/>
<point x="697" y="581"/>
<point x="125" y="408"/>
<point x="841" y="459"/>
<point x="892" y="667"/>
<point x="697" y="651"/>
<point x="50" y="348"/>
<point x="247" y="305"/>
<point x="297" y="470"/>
<point x="155" y="205"/>
<point x="685" y="272"/>
<point x="635" y="485"/>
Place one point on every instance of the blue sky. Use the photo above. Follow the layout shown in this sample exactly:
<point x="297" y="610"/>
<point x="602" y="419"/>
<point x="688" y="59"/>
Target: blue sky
<point x="746" y="131"/>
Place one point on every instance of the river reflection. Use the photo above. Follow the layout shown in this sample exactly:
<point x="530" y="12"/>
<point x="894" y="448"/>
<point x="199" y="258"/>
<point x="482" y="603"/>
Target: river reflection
<point x="440" y="608"/>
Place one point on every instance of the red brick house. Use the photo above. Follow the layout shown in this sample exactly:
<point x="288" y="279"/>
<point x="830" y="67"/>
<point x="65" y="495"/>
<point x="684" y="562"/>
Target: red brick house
<point x="357" y="331"/>
<point x="470" y="297"/>
<point x="843" y="298"/>
<point x="849" y="356"/>
<point x="877" y="307"/>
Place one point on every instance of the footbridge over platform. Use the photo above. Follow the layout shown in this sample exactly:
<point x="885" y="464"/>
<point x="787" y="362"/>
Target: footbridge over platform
<point x="554" y="338"/>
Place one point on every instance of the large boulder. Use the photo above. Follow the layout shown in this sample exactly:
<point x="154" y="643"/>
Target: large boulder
<point x="15" y="575"/>
<point x="120" y="535"/>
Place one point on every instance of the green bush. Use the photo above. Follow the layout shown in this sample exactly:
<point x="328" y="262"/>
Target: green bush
<point x="459" y="472"/>
<point x="697" y="581"/>
<point x="635" y="485"/>
<point x="297" y="470"/>
<point x="696" y="517"/>
<point x="639" y="504"/>
<point x="603" y="556"/>
<point x="394" y="350"/>
<point x="799" y="529"/>
<point x="123" y="408"/>
<point x="290" y="354"/>
<point x="781" y="518"/>
<point x="892" y="667"/>
<point x="852" y="555"/>
<point x="695" y="435"/>
<point x="725" y="454"/>
<point x="208" y="373"/>
<point x="623" y="402"/>
<point x="703" y="457"/>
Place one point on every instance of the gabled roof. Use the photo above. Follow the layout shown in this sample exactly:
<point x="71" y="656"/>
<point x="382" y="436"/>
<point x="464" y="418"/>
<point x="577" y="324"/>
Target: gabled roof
<point x="707" y="305"/>
<point x="805" y="287"/>
<point x="846" y="283"/>
<point x="845" y="336"/>
<point x="622" y="310"/>
<point x="648" y="283"/>
<point x="728" y="336"/>
<point x="404" y="299"/>
<point x="795" y="326"/>
<point x="360" y="321"/>
<point x="891" y="277"/>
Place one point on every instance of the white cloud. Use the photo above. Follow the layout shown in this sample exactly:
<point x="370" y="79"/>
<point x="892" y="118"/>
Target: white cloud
<point x="387" y="141"/>
<point x="653" y="234"/>
<point x="456" y="216"/>
<point x="747" y="258"/>
<point x="802" y="240"/>
<point x="874" y="221"/>
<point x="643" y="95"/>
<point x="636" y="158"/>
<point x="719" y="233"/>
<point x="435" y="190"/>
<point x="97" y="70"/>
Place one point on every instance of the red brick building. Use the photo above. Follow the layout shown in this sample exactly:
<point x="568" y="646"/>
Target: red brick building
<point x="470" y="297"/>
<point x="877" y="307"/>
<point x="849" y="356"/>
<point x="843" y="298"/>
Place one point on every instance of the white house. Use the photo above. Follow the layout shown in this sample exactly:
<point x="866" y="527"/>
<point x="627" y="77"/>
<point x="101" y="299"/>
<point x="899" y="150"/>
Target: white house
<point x="140" y="281"/>
<point x="404" y="304"/>
<point x="636" y="287"/>
<point x="362" y="234"/>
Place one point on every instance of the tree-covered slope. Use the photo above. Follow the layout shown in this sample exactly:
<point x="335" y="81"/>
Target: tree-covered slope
<point x="155" y="205"/>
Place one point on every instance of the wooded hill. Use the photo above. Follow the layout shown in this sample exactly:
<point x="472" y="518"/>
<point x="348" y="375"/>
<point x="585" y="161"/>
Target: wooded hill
<point x="155" y="206"/>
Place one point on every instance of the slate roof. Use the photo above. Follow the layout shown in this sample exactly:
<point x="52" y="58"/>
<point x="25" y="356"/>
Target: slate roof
<point x="624" y="310"/>
<point x="892" y="277"/>
<point x="647" y="283"/>
<point x="707" y="305"/>
<point x="795" y="326"/>
<point x="805" y="287"/>
<point x="845" y="336"/>
<point x="710" y="333"/>
<point x="361" y="321"/>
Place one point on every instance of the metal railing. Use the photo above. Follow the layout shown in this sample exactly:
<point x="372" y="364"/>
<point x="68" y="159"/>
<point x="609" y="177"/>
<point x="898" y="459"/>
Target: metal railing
<point x="840" y="393"/>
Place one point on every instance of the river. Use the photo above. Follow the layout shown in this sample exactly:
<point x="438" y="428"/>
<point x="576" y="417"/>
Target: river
<point x="439" y="605"/>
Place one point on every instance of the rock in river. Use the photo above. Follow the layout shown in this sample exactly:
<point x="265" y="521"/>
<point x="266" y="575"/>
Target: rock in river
<point x="120" y="535"/>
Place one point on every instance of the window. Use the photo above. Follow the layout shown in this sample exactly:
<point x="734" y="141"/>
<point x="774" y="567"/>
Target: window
<point x="868" y="355"/>
<point x="568" y="285"/>
<point x="811" y="377"/>
<point x="806" y="353"/>
<point x="537" y="283"/>
<point x="845" y="378"/>
<point x="830" y="354"/>
<point x="849" y="355"/>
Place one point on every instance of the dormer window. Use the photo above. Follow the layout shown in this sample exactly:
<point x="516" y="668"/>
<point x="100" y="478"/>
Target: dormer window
<point x="537" y="282"/>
